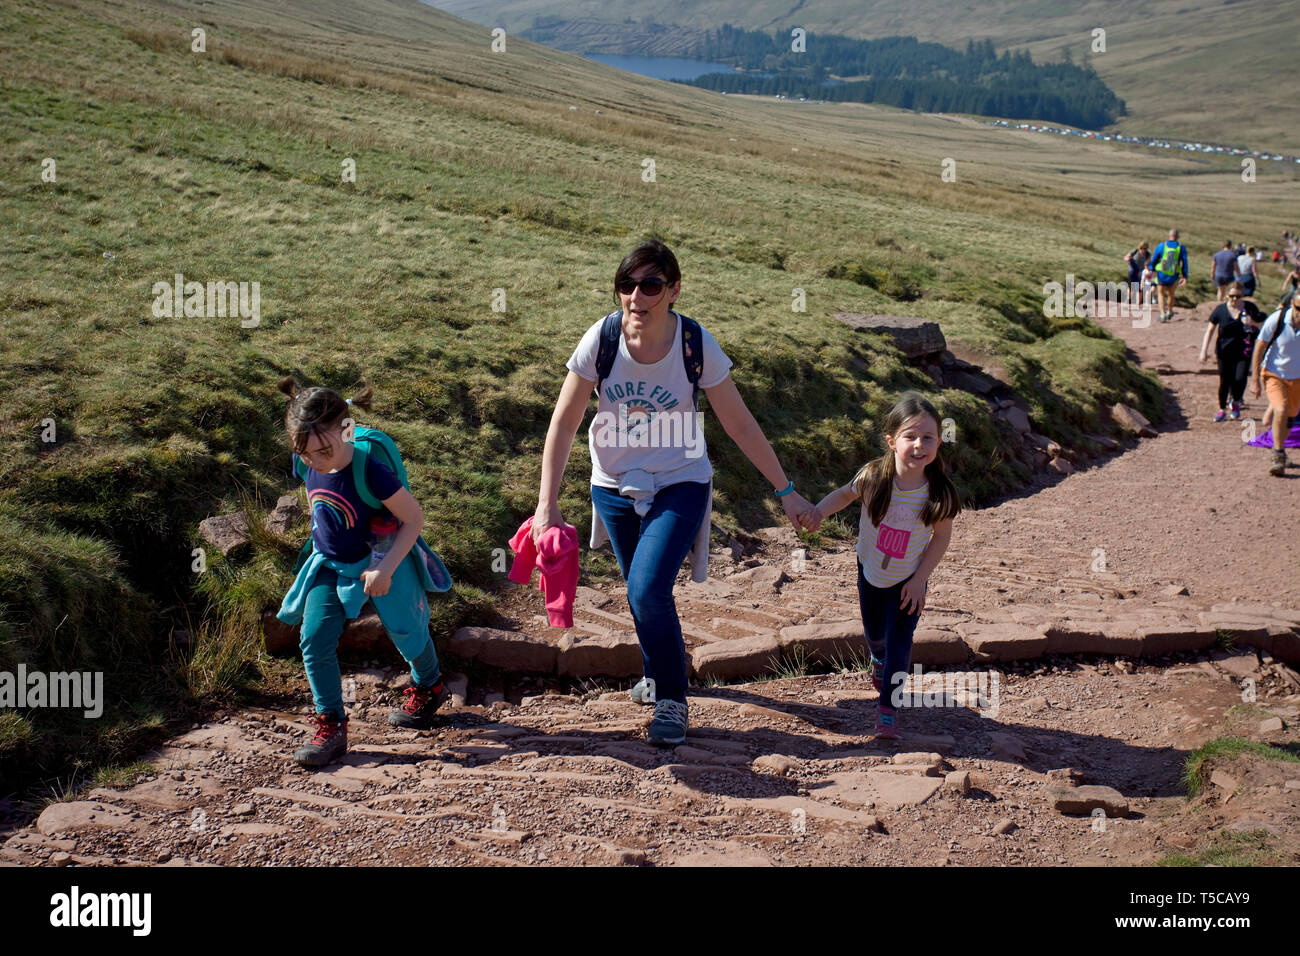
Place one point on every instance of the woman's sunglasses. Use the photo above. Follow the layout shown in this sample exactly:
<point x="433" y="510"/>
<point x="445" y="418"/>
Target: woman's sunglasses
<point x="650" y="285"/>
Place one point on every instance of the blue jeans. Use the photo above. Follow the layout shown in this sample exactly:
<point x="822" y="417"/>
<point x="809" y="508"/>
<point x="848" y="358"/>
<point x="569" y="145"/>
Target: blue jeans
<point x="889" y="631"/>
<point x="322" y="626"/>
<point x="650" y="551"/>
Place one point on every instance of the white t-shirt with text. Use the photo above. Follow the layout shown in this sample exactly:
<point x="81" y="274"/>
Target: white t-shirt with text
<point x="644" y="417"/>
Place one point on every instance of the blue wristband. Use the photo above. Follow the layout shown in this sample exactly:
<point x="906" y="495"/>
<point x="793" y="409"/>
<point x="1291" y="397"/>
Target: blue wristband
<point x="788" y="488"/>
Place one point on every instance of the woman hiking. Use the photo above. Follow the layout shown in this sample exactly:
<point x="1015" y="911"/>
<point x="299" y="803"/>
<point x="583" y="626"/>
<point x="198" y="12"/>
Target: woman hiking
<point x="651" y="480"/>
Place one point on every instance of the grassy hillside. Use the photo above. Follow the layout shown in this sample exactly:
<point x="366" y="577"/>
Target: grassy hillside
<point x="1190" y="69"/>
<point x="475" y="171"/>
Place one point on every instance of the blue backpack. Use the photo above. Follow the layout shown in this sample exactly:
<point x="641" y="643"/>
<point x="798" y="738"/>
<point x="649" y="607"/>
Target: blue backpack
<point x="369" y="442"/>
<point x="692" y="350"/>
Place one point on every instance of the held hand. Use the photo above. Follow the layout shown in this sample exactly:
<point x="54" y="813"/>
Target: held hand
<point x="376" y="582"/>
<point x="914" y="594"/>
<point x="1182" y="282"/>
<point x="546" y="516"/>
<point x="795" y="506"/>
<point x="812" y="519"/>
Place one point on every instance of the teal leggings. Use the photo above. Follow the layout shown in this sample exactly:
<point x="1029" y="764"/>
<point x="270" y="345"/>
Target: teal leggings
<point x="322" y="626"/>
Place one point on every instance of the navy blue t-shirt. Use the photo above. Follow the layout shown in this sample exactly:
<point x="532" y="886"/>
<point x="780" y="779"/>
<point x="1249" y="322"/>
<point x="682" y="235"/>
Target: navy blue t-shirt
<point x="1224" y="261"/>
<point x="340" y="520"/>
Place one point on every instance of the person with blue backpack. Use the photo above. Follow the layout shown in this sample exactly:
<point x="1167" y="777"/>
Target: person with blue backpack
<point x="365" y="543"/>
<point x="651" y="480"/>
<point x="1169" y="262"/>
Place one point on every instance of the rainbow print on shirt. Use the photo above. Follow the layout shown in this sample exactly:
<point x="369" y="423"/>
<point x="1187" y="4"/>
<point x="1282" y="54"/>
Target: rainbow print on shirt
<point x="334" y="504"/>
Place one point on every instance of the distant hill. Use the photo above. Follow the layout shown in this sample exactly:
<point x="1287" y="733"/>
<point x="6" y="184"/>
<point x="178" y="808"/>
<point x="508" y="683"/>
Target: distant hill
<point x="1187" y="69"/>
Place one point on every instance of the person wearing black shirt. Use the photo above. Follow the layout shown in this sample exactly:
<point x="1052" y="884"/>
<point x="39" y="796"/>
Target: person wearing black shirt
<point x="1235" y="340"/>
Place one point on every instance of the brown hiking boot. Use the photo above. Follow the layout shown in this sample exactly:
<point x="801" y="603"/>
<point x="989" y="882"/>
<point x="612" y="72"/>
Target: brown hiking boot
<point x="1278" y="468"/>
<point x="328" y="744"/>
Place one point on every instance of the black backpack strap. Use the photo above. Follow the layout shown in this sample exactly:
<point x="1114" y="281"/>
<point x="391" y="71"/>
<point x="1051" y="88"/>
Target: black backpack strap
<point x="1281" y="326"/>
<point x="610" y="332"/>
<point x="692" y="355"/>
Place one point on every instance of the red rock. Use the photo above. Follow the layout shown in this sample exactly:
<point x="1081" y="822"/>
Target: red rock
<point x="1244" y="610"/>
<point x="510" y="650"/>
<point x="825" y="642"/>
<point x="606" y="655"/>
<point x="1008" y="747"/>
<point x="933" y="646"/>
<point x="285" y="515"/>
<point x="1002" y="642"/>
<point x="1220" y="779"/>
<point x="765" y="578"/>
<point x="227" y="533"/>
<point x="1132" y="420"/>
<point x="82" y="814"/>
<point x="1086" y="799"/>
<point x="1061" y="466"/>
<point x="739" y="657"/>
<point x="778" y="762"/>
<point x="281" y="639"/>
<point x="1092" y="637"/>
<point x="1168" y="639"/>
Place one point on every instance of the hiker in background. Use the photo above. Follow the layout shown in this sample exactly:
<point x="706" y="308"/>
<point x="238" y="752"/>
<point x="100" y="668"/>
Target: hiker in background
<point x="1170" y="264"/>
<point x="1275" y="368"/>
<point x="652" y="495"/>
<point x="357" y="551"/>
<point x="908" y="503"/>
<point x="1224" y="263"/>
<point x="1246" y="271"/>
<point x="1148" y="285"/>
<point x="1137" y="263"/>
<point x="1227" y="321"/>
<point x="1289" y="286"/>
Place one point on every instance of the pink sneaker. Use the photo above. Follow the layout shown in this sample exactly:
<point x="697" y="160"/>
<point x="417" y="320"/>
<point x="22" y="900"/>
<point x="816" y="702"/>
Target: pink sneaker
<point x="886" y="723"/>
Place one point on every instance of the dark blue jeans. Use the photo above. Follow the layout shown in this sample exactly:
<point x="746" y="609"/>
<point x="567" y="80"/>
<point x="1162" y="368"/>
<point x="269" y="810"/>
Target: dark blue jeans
<point x="650" y="551"/>
<point x="889" y="631"/>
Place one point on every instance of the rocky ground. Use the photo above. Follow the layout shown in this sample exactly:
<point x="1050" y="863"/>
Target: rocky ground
<point x="1143" y="560"/>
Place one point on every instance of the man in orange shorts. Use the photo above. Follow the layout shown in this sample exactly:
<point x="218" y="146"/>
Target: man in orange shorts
<point x="1277" y="362"/>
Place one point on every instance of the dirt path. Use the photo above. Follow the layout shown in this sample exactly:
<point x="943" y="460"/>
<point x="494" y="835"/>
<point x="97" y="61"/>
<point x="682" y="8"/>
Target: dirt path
<point x="784" y="771"/>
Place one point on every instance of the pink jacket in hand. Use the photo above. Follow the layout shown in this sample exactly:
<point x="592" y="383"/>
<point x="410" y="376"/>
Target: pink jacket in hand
<point x="556" y="554"/>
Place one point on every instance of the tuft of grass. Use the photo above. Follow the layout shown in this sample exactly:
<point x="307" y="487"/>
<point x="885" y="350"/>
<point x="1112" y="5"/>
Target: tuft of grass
<point x="794" y="664"/>
<point x="122" y="775"/>
<point x="224" y="656"/>
<point x="1225" y="848"/>
<point x="1223" y="748"/>
<point x="854" y="662"/>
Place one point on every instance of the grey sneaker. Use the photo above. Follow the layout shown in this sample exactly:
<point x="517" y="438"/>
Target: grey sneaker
<point x="1278" y="468"/>
<point x="669" y="724"/>
<point x="644" y="691"/>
